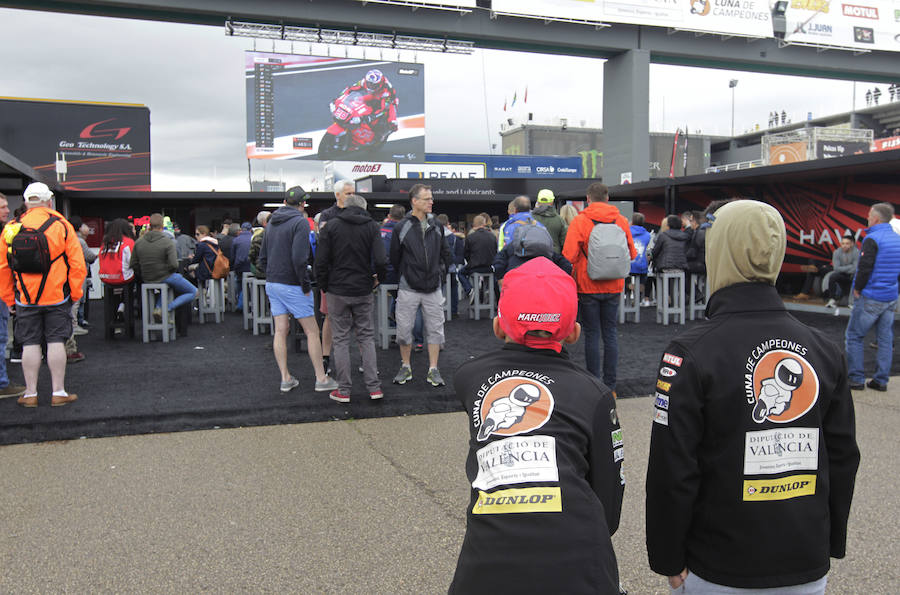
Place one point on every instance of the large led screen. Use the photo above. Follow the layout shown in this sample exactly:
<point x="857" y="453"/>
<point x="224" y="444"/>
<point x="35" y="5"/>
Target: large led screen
<point x="81" y="145"/>
<point x="329" y="108"/>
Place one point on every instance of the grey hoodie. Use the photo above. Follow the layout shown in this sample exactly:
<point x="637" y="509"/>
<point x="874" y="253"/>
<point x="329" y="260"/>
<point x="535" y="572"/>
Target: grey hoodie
<point x="284" y="254"/>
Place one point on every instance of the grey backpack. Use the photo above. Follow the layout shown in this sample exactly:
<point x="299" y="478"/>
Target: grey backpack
<point x="530" y="240"/>
<point x="607" y="252"/>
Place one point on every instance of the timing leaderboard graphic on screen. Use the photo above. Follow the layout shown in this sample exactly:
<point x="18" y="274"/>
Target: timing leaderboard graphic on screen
<point x="324" y="108"/>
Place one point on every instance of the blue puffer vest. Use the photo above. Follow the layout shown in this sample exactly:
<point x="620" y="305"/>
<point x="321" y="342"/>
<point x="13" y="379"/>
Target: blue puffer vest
<point x="882" y="285"/>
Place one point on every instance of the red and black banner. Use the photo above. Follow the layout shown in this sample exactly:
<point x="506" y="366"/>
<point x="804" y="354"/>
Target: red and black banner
<point x="82" y="146"/>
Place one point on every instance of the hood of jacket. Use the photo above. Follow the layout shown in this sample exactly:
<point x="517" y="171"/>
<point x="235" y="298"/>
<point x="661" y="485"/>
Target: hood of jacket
<point x="283" y="215"/>
<point x="354" y="215"/>
<point x="155" y="235"/>
<point x="745" y="244"/>
<point x="544" y="210"/>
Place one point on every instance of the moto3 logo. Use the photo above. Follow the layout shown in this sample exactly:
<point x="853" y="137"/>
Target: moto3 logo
<point x="94" y="131"/>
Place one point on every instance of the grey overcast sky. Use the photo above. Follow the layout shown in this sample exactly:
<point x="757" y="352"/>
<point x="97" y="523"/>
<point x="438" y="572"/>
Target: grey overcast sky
<point x="192" y="79"/>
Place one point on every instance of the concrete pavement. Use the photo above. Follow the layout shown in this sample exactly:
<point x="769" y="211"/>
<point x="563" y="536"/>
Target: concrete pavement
<point x="358" y="506"/>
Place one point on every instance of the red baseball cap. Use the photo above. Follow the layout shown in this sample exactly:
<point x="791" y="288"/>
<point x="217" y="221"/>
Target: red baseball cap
<point x="538" y="296"/>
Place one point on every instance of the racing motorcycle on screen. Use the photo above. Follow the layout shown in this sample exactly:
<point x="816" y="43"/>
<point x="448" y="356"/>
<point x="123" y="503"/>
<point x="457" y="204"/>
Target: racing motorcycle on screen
<point x="354" y="128"/>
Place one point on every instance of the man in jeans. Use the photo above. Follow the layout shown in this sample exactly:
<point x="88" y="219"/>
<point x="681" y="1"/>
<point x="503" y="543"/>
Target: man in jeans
<point x="154" y="257"/>
<point x="875" y="289"/>
<point x="598" y="301"/>
<point x="350" y="262"/>
<point x="6" y="389"/>
<point x="420" y="256"/>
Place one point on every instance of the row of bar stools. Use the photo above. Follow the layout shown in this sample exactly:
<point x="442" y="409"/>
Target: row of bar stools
<point x="698" y="283"/>
<point x="664" y="293"/>
<point x="483" y="286"/>
<point x="384" y="331"/>
<point x="630" y="302"/>
<point x="246" y="290"/>
<point x="148" y="303"/>
<point x="261" y="312"/>
<point x="211" y="299"/>
<point x="113" y="295"/>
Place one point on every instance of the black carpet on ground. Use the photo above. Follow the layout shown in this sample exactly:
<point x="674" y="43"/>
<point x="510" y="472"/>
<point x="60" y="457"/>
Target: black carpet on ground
<point x="222" y="376"/>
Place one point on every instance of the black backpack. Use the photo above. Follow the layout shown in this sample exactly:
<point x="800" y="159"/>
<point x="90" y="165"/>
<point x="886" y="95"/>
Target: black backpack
<point x="30" y="252"/>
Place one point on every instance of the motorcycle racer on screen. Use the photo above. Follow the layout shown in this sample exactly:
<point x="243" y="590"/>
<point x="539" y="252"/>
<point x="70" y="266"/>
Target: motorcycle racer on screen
<point x="364" y="115"/>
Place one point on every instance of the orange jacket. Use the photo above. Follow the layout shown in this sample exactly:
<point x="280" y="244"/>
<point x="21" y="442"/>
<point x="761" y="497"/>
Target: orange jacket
<point x="575" y="248"/>
<point x="65" y="279"/>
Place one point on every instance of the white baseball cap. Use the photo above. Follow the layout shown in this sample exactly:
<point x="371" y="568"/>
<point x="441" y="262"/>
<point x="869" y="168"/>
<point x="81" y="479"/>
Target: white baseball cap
<point x="37" y="192"/>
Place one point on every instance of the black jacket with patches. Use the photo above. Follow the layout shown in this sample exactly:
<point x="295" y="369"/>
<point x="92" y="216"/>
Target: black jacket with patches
<point x="540" y="551"/>
<point x="349" y="252"/>
<point x="742" y="495"/>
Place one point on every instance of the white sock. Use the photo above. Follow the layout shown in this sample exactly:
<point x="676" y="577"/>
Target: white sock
<point x="60" y="393"/>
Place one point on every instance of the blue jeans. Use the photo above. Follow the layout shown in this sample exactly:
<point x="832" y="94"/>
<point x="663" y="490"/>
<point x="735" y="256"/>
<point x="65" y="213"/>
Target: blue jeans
<point x="597" y="312"/>
<point x="184" y="290"/>
<point x="4" y="330"/>
<point x="867" y="313"/>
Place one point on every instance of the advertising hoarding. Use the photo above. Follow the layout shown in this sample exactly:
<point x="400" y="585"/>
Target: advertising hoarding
<point x="829" y="149"/>
<point x="517" y="166"/>
<point x="80" y="145"/>
<point x="751" y="18"/>
<point x="442" y="170"/>
<point x="887" y="144"/>
<point x="435" y="3"/>
<point x="787" y="153"/>
<point x="862" y="24"/>
<point x="317" y="108"/>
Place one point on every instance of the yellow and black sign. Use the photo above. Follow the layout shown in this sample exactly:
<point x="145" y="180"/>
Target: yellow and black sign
<point x="785" y="488"/>
<point x="519" y="500"/>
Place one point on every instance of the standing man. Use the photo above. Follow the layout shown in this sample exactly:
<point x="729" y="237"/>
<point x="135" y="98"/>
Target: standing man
<point x="520" y="214"/>
<point x="545" y="212"/>
<point x="42" y="284"/>
<point x="420" y="257"/>
<point x="753" y="453"/>
<point x="350" y="262"/>
<point x="262" y="220"/>
<point x="598" y="299"/>
<point x="154" y="257"/>
<point x="342" y="189"/>
<point x="6" y="389"/>
<point x="283" y="257"/>
<point x="875" y="290"/>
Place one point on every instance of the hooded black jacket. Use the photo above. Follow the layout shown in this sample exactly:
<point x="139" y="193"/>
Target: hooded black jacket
<point x="480" y="250"/>
<point x="284" y="254"/>
<point x="670" y="250"/>
<point x="421" y="259"/>
<point x="350" y="250"/>
<point x="567" y="452"/>
<point x="741" y="494"/>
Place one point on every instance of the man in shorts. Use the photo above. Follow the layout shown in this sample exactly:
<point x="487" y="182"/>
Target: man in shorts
<point x="421" y="258"/>
<point x="42" y="300"/>
<point x="284" y="256"/>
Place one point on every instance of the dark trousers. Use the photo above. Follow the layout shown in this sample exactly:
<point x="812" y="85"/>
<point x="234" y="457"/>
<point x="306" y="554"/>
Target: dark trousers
<point x="597" y="312"/>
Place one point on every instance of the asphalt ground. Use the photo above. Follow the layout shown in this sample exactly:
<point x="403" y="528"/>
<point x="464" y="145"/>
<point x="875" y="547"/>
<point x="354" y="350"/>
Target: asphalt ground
<point x="353" y="506"/>
<point x="221" y="376"/>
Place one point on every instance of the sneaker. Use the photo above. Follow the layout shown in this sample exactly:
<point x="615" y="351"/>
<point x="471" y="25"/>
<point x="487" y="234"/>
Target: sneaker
<point x="15" y="357"/>
<point x="857" y="386"/>
<point x="157" y="315"/>
<point x="801" y="296"/>
<point x="375" y="395"/>
<point x="327" y="385"/>
<point x="876" y="385"/>
<point x="59" y="401"/>
<point x="831" y="303"/>
<point x="837" y="311"/>
<point x="290" y="385"/>
<point x="85" y="324"/>
<point x="404" y="375"/>
<point x="419" y="347"/>
<point x="338" y="396"/>
<point x="79" y="330"/>
<point x="645" y="303"/>
<point x="434" y="377"/>
<point x="13" y="390"/>
<point x="74" y="358"/>
<point x="27" y="401"/>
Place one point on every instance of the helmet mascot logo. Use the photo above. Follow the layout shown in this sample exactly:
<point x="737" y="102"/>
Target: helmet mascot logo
<point x="514" y="406"/>
<point x="785" y="385"/>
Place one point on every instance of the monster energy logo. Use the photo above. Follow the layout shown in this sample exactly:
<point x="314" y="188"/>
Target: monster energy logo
<point x="591" y="163"/>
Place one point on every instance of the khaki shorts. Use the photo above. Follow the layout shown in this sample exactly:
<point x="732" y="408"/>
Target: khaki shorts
<point x="408" y="303"/>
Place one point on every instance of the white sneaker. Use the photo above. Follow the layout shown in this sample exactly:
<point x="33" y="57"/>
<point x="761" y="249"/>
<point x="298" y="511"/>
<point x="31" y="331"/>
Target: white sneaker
<point x="837" y="311"/>
<point x="831" y="303"/>
<point x="78" y="330"/>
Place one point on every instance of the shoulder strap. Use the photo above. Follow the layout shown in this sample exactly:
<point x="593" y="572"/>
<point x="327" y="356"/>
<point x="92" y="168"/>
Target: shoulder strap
<point x="404" y="227"/>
